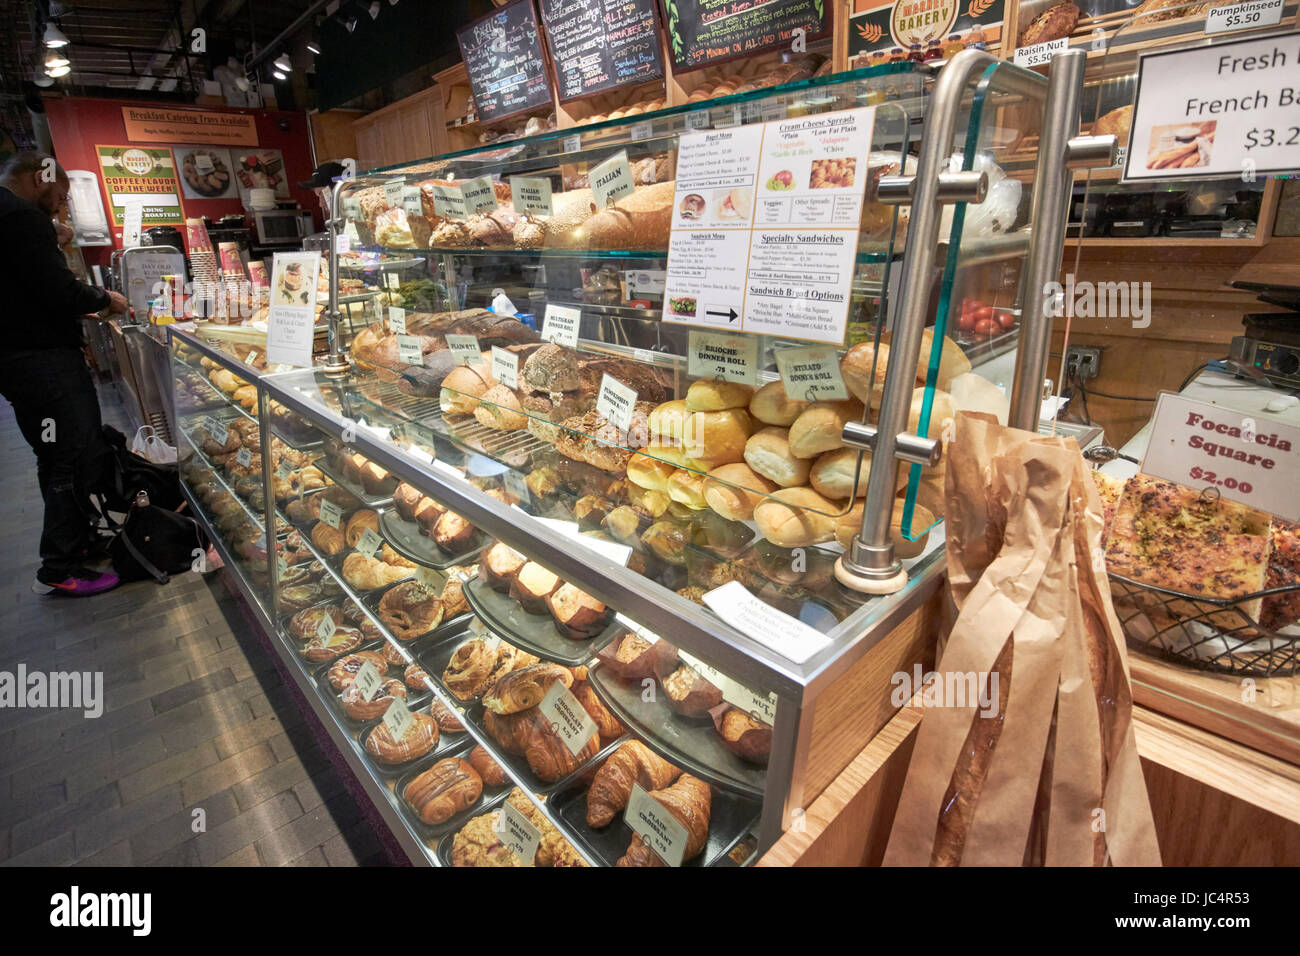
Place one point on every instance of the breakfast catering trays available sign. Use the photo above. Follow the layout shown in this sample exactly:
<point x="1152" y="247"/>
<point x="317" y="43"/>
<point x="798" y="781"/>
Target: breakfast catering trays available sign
<point x="601" y="44"/>
<point x="150" y="124"/>
<point x="704" y="32"/>
<point x="503" y="55"/>
<point x="144" y="176"/>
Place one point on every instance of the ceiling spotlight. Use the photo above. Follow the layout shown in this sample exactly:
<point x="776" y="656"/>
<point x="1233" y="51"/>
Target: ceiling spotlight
<point x="54" y="37"/>
<point x="374" y="9"/>
<point x="59" y="71"/>
<point x="278" y="75"/>
<point x="392" y="3"/>
<point x="242" y="83"/>
<point x="55" y="60"/>
<point x="42" y="79"/>
<point x="313" y="46"/>
<point x="282" y="63"/>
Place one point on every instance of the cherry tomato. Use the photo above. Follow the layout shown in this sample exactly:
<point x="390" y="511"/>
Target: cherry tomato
<point x="966" y="322"/>
<point x="986" y="327"/>
<point x="983" y="312"/>
<point x="1005" y="319"/>
<point x="970" y="305"/>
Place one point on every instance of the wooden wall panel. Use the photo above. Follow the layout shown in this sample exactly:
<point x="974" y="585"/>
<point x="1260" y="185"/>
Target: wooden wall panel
<point x="333" y="134"/>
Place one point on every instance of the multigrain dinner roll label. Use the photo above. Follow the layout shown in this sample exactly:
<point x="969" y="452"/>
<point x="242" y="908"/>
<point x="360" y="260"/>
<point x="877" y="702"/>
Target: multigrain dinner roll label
<point x="567" y="718"/>
<point x="660" y="830"/>
<point x="560" y="325"/>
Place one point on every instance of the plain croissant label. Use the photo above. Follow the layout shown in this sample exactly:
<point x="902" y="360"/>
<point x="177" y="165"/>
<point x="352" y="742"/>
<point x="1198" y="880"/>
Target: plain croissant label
<point x="659" y="829"/>
<point x="368" y="681"/>
<point x="531" y="195"/>
<point x="812" y="374"/>
<point x="518" y="835"/>
<point x="330" y="513"/>
<point x="397" y="718"/>
<point x="569" y="720"/>
<point x="611" y="180"/>
<point x="369" y="543"/>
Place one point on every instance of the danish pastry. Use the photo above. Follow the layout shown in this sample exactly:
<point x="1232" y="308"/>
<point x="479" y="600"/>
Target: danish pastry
<point x="321" y="649"/>
<point x="421" y="737"/>
<point x="346" y="668"/>
<point x="447" y="788"/>
<point x="304" y="625"/>
<point x="448" y="720"/>
<point x="358" y="708"/>
<point x="410" y="609"/>
<point x="467" y="671"/>
<point x="416" y="678"/>
<point x="487" y="767"/>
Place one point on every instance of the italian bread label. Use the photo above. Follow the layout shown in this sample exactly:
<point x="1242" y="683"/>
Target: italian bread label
<point x="611" y="180"/>
<point x="326" y="628"/>
<point x="660" y="830"/>
<point x="812" y="374"/>
<point x="560" y="325"/>
<point x="464" y="349"/>
<point x="520" y="837"/>
<point x="531" y="195"/>
<point x="479" y="195"/>
<point x="369" y="543"/>
<point x="616" y="401"/>
<point x="505" y="367"/>
<point x="331" y="513"/>
<point x="397" y="718"/>
<point x="393" y="192"/>
<point x="397" y="319"/>
<point x="368" y="681"/>
<point x="409" y="351"/>
<point x="733" y="358"/>
<point x="244" y="457"/>
<point x="568" y="719"/>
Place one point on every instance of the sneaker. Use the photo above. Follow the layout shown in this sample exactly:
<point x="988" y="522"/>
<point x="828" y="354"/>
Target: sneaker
<point x="74" y="582"/>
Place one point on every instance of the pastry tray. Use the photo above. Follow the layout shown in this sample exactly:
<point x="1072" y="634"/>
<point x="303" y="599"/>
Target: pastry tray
<point x="432" y="832"/>
<point x="446" y="743"/>
<point x="335" y="564"/>
<point x="335" y="475"/>
<point x="485" y="805"/>
<point x="414" y="700"/>
<point x="408" y="541"/>
<point x="445" y="627"/>
<point x="535" y="633"/>
<point x="306" y="526"/>
<point x="695" y="746"/>
<point x="730" y="818"/>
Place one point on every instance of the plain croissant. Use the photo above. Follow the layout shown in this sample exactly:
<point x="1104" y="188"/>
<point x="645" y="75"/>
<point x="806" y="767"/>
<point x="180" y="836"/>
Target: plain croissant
<point x="689" y="800"/>
<point x="631" y="763"/>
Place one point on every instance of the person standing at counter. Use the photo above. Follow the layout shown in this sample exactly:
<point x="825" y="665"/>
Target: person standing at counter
<point x="43" y="372"/>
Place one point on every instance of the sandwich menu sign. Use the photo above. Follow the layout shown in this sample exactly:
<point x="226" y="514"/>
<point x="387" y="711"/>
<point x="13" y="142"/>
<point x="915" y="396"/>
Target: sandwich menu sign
<point x="600" y="44"/>
<point x="503" y="54"/>
<point x="701" y="32"/>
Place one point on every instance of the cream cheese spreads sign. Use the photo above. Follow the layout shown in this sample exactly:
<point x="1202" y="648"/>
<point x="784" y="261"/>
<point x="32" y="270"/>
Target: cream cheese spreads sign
<point x="765" y="226"/>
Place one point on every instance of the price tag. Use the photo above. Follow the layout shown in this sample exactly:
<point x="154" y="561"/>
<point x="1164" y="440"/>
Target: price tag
<point x="449" y="202"/>
<point x="353" y="237"/>
<point x="411" y="201"/>
<point x="369" y="543"/>
<point x="560" y="325"/>
<point x="409" y="351"/>
<point x="479" y="195"/>
<point x="393" y="192"/>
<point x="572" y="144"/>
<point x="643" y="131"/>
<point x="697" y="120"/>
<point x="368" y="681"/>
<point x="733" y="692"/>
<point x="514" y="830"/>
<point x="351" y="207"/>
<point x="464" y="349"/>
<point x="132" y="222"/>
<point x="397" y="319"/>
<point x="505" y="367"/>
<point x="392" y="281"/>
<point x="284" y="470"/>
<point x="281" y="566"/>
<point x="569" y="720"/>
<point x="611" y="180"/>
<point x="1040" y="53"/>
<point x="616" y="401"/>
<point x="645" y="356"/>
<point x="430" y="578"/>
<point x="733" y="358"/>
<point x="244" y="457"/>
<point x="326" y="628"/>
<point x="1121" y="154"/>
<point x="661" y="831"/>
<point x="331" y="513"/>
<point x="203" y="163"/>
<point x="531" y="196"/>
<point x="1244" y="16"/>
<point x="251" y="358"/>
<point x="784" y="634"/>
<point x="812" y="374"/>
<point x="397" y="718"/>
<point x="342" y="243"/>
<point x="516" y="487"/>
<point x="217" y="430"/>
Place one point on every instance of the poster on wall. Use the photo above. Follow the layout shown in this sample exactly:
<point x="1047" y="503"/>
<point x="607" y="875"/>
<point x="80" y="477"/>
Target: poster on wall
<point x="206" y="173"/>
<point x="260" y="169"/>
<point x="143" y="175"/>
<point x="600" y="46"/>
<point x="292" y="311"/>
<point x="152" y="124"/>
<point x="703" y="32"/>
<point x="901" y="23"/>
<point x="504" y="58"/>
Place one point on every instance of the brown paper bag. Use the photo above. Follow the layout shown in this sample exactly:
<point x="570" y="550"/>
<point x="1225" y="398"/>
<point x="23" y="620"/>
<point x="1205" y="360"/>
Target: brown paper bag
<point x="1041" y="767"/>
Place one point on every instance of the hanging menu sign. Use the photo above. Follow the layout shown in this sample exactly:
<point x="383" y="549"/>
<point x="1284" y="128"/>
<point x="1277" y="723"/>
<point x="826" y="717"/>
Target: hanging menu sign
<point x="601" y="44"/>
<point x="701" y="32"/>
<point x="765" y="226"/>
<point x="503" y="54"/>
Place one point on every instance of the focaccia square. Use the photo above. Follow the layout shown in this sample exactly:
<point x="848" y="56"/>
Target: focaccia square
<point x="1281" y="610"/>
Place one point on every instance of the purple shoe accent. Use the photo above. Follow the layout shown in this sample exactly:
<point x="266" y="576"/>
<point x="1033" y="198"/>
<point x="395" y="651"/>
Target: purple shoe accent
<point x="79" y="582"/>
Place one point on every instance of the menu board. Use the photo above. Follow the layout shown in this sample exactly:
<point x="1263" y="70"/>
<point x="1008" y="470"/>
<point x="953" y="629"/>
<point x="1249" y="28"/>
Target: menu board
<point x="600" y="44"/>
<point x="701" y="32"/>
<point x="503" y="55"/>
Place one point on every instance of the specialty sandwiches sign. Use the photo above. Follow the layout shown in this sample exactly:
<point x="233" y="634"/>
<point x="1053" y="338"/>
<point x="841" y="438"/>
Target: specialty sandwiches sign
<point x="149" y="124"/>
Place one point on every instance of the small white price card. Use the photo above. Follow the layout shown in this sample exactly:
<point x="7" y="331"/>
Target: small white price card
<point x="516" y="487"/>
<point x="393" y="192"/>
<point x="531" y="195"/>
<point x="251" y="357"/>
<point x="392" y="281"/>
<point x="616" y="401"/>
<point x="369" y="543"/>
<point x="449" y="202"/>
<point x="569" y="720"/>
<point x="368" y="681"/>
<point x="397" y="718"/>
<point x="697" y="120"/>
<point x="572" y="144"/>
<point x="430" y="578"/>
<point x="733" y="358"/>
<point x="1244" y="16"/>
<point x="409" y="351"/>
<point x="611" y="180"/>
<point x="784" y="634"/>
<point x="643" y="130"/>
<point x="464" y="349"/>
<point x="326" y="628"/>
<point x="560" y="325"/>
<point x="661" y="831"/>
<point x="411" y="201"/>
<point x="343" y="243"/>
<point x="1040" y="53"/>
<point x="505" y="367"/>
<point x="520" y="837"/>
<point x="331" y="513"/>
<point x="397" y="319"/>
<point x="812" y="374"/>
<point x="244" y="457"/>
<point x="284" y="469"/>
<point x="479" y="194"/>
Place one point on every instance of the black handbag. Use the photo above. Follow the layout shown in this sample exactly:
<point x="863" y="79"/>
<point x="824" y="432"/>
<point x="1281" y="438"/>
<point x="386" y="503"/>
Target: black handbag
<point x="124" y="474"/>
<point x="154" y="542"/>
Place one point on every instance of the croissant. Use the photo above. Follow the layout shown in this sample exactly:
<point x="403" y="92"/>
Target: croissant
<point x="366" y="574"/>
<point x="611" y="788"/>
<point x="358" y="524"/>
<point x="519" y="690"/>
<point x="547" y="755"/>
<point x="327" y="538"/>
<point x="606" y="723"/>
<point x="688" y="800"/>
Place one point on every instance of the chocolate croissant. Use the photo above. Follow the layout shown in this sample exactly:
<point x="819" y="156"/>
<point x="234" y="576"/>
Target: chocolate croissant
<point x="611" y="788"/>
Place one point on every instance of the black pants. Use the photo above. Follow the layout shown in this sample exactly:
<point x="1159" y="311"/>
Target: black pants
<point x="57" y="410"/>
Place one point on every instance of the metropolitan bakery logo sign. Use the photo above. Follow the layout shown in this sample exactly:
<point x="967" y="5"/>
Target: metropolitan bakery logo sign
<point x="136" y="161"/>
<point x="920" y="21"/>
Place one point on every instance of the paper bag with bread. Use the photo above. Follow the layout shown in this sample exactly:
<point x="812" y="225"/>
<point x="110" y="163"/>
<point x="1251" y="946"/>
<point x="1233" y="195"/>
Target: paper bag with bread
<point x="1025" y="754"/>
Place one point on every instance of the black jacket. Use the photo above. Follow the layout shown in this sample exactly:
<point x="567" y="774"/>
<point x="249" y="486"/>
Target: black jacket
<point x="45" y="298"/>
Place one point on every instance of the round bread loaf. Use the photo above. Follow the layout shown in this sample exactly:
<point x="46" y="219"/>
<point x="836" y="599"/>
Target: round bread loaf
<point x="768" y="453"/>
<point x="463" y="387"/>
<point x="650" y="472"/>
<point x="687" y="487"/>
<point x="715" y="395"/>
<point x="838" y="474"/>
<point x="552" y="368"/>
<point x="734" y="490"/>
<point x="772" y="406"/>
<point x="797" y="517"/>
<point x="820" y="427"/>
<point x="716" y="438"/>
<point x="500" y="408"/>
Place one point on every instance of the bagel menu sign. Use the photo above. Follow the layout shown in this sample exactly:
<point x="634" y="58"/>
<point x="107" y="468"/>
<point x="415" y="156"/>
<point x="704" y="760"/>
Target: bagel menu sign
<point x="150" y="124"/>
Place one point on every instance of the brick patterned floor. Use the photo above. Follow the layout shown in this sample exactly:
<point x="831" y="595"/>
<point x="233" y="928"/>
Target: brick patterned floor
<point x="196" y="717"/>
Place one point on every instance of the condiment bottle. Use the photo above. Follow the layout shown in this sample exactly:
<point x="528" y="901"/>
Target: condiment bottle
<point x="932" y="52"/>
<point x="896" y="55"/>
<point x="915" y="55"/>
<point x="977" y="40"/>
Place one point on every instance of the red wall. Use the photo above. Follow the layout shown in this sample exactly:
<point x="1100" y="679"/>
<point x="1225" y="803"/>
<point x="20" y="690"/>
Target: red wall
<point x="78" y="125"/>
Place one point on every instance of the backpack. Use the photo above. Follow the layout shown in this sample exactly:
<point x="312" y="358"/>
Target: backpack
<point x="154" y="542"/>
<point x="123" y="474"/>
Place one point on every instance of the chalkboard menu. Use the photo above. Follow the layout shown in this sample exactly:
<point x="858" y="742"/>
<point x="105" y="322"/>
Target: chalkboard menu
<point x="600" y="44"/>
<point x="503" y="54"/>
<point x="702" y="32"/>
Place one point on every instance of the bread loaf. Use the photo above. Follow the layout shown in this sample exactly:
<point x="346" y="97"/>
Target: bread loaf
<point x="734" y="490"/>
<point x="767" y="452"/>
<point x="716" y="438"/>
<point x="687" y="487"/>
<point x="715" y="395"/>
<point x="463" y="387"/>
<point x="500" y="408"/>
<point x="772" y="406"/>
<point x="649" y="472"/>
<point x="820" y="427"/>
<point x="639" y="221"/>
<point x="797" y="517"/>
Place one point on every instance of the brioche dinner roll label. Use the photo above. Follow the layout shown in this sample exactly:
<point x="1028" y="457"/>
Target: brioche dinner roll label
<point x="326" y="628"/>
<point x="397" y="319"/>
<point x="464" y="349"/>
<point x="479" y="195"/>
<point x="331" y="513"/>
<point x="397" y="718"/>
<point x="611" y="180"/>
<point x="369" y="543"/>
<point x="393" y="192"/>
<point x="616" y="401"/>
<point x="660" y="830"/>
<point x="560" y="325"/>
<point x="505" y="367"/>
<point x="730" y="357"/>
<point x="244" y="457"/>
<point x="569" y="720"/>
<point x="409" y="351"/>
<point x="784" y="634"/>
<point x="812" y="374"/>
<point x="531" y="195"/>
<point x="514" y="830"/>
<point x="411" y="200"/>
<point x="368" y="681"/>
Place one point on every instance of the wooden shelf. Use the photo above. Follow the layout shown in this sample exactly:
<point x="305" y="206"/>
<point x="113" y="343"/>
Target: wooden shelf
<point x="1153" y="241"/>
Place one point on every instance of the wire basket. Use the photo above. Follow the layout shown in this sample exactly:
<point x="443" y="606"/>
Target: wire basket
<point x="1210" y="633"/>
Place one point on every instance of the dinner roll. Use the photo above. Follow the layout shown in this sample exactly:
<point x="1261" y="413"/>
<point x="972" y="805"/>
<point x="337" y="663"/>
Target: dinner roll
<point x="462" y="388"/>
<point x="834" y="472"/>
<point x="687" y="487"/>
<point x="768" y="453"/>
<point x="650" y="472"/>
<point x="734" y="490"/>
<point x="714" y="395"/>
<point x="786" y="520"/>
<point x="772" y="406"/>
<point x="667" y="422"/>
<point x="716" y="438"/>
<point x="820" y="427"/>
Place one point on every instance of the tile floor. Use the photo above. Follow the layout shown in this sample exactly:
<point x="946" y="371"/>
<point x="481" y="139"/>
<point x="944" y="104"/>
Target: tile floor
<point x="196" y="717"/>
